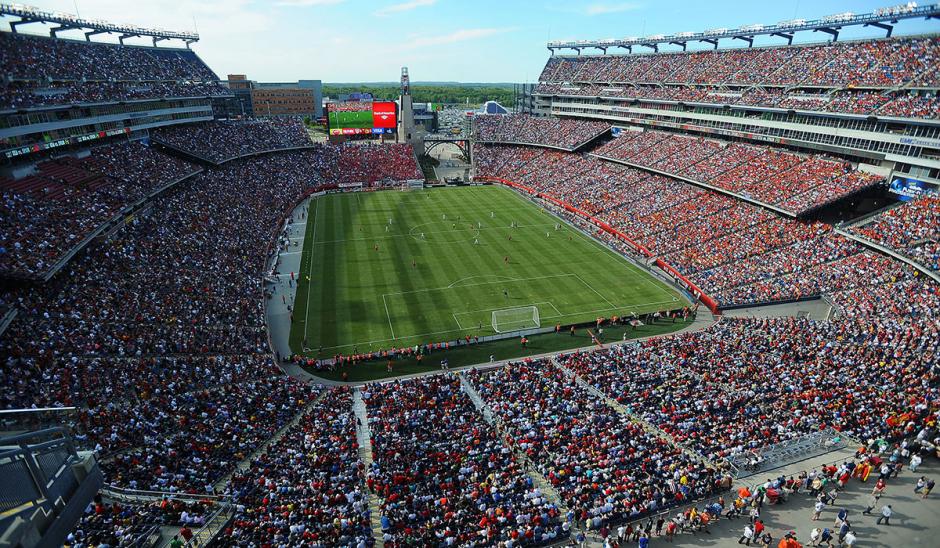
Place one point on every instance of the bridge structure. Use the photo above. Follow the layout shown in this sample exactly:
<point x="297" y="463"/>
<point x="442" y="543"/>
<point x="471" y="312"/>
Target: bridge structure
<point x="462" y="141"/>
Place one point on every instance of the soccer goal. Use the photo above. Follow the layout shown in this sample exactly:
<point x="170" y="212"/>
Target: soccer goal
<point x="515" y="319"/>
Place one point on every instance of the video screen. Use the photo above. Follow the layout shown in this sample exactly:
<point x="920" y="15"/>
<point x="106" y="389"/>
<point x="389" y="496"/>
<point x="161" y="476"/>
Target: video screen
<point x="362" y="118"/>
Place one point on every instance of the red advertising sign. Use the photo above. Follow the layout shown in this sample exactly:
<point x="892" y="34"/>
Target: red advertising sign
<point x="383" y="114"/>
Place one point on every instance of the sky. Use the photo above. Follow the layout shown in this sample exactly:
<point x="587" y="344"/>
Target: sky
<point x="438" y="40"/>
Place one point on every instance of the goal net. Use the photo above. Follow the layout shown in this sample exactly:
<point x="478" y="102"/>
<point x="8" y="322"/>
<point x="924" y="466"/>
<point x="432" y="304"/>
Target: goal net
<point x="515" y="319"/>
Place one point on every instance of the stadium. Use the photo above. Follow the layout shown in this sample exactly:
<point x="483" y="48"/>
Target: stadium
<point x="686" y="292"/>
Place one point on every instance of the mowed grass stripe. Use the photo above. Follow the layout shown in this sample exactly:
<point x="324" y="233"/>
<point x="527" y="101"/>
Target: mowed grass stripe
<point x="576" y="276"/>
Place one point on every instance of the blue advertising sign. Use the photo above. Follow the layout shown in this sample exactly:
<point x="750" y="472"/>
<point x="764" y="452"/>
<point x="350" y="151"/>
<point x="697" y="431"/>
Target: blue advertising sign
<point x="909" y="189"/>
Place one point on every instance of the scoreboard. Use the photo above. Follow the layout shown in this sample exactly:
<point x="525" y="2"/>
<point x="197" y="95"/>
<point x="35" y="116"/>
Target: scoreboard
<point x="362" y="118"/>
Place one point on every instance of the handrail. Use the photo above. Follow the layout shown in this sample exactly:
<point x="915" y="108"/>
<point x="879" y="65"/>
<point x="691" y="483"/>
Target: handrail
<point x="805" y="444"/>
<point x="67" y="257"/>
<point x="142" y="494"/>
<point x="539" y="145"/>
<point x="212" y="525"/>
<point x="18" y="439"/>
<point x="223" y="161"/>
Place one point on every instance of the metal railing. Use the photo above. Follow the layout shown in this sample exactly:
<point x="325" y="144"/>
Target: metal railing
<point x="141" y="495"/>
<point x="214" y="525"/>
<point x="33" y="466"/>
<point x="788" y="451"/>
<point x="34" y="420"/>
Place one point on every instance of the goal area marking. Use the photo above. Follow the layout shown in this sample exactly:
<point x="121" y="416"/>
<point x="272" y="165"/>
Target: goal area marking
<point x="517" y="317"/>
<point x="460" y="326"/>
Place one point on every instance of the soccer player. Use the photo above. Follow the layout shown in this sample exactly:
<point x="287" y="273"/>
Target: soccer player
<point x="506" y="293"/>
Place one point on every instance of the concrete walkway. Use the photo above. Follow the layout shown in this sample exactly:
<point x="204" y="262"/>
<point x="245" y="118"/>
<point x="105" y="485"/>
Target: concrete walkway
<point x="364" y="439"/>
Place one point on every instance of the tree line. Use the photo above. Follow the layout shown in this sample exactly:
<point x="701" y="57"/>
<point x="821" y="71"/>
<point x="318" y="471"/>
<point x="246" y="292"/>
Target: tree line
<point x="475" y="95"/>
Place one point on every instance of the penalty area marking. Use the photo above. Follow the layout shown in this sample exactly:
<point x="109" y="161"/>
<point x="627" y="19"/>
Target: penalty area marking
<point x="500" y="279"/>
<point x="625" y="307"/>
<point x="481" y="283"/>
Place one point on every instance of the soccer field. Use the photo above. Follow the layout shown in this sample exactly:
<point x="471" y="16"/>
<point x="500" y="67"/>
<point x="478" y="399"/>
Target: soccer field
<point x="447" y="260"/>
<point x="351" y="119"/>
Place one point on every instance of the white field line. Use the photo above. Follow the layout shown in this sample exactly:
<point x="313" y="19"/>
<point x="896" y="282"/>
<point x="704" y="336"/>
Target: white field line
<point x="316" y="218"/>
<point x="454" y="314"/>
<point x="408" y="235"/>
<point x="479" y="284"/>
<point x="504" y="278"/>
<point x="647" y="277"/>
<point x="595" y="291"/>
<point x="389" y="316"/>
<point x="577" y="313"/>
<point x="549" y="303"/>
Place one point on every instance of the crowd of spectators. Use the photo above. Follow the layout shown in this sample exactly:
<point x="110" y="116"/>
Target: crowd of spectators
<point x="827" y="374"/>
<point x="157" y="335"/>
<point x="368" y="164"/>
<point x="19" y="94"/>
<point x="46" y="214"/>
<point x="864" y="63"/>
<point x="222" y="140"/>
<point x="116" y="524"/>
<point x="912" y="229"/>
<point x="735" y="252"/>
<point x="606" y="467"/>
<point x="308" y="487"/>
<point x="40" y="71"/>
<point x="898" y="104"/>
<point x="189" y="441"/>
<point x="849" y="71"/>
<point x="521" y="128"/>
<point x="445" y="477"/>
<point x="791" y="181"/>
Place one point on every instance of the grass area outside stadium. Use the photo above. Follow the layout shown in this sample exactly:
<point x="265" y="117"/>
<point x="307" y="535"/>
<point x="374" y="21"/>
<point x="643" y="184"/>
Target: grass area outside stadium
<point x="395" y="269"/>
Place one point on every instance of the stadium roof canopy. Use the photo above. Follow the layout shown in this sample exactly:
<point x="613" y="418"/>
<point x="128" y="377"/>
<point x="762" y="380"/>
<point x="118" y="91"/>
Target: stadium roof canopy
<point x="884" y="18"/>
<point x="67" y="21"/>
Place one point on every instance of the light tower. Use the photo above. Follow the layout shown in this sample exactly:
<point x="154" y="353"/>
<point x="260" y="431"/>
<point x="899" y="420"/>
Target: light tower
<point x="406" y="117"/>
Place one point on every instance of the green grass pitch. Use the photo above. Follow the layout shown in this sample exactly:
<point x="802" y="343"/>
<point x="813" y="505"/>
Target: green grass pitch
<point x="439" y="270"/>
<point x="351" y="119"/>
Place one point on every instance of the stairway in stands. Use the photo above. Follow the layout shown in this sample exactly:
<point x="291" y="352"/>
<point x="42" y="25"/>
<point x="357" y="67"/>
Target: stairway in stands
<point x="616" y="406"/>
<point x="538" y="479"/>
<point x="364" y="439"/>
